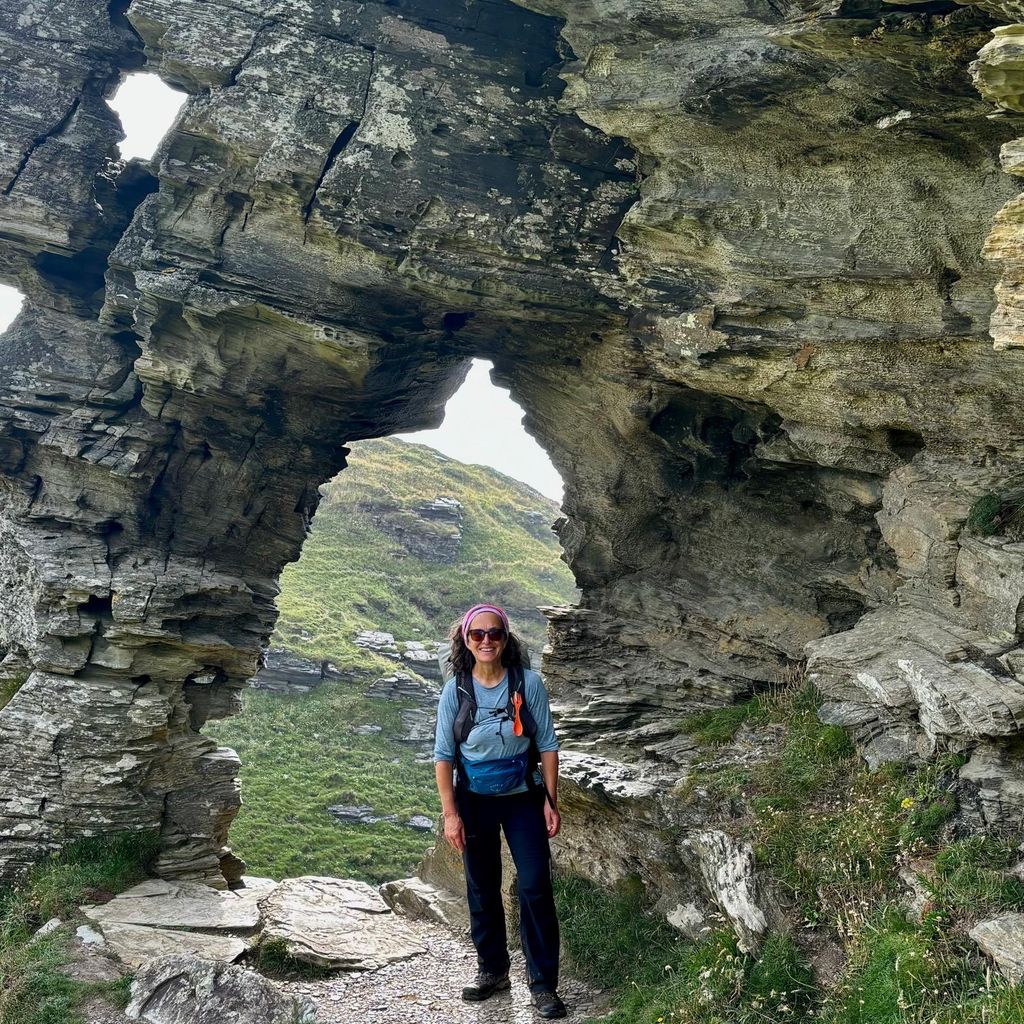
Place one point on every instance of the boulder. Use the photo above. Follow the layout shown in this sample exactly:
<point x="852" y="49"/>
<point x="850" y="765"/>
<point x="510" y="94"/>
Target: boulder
<point x="187" y="990"/>
<point x="135" y="944"/>
<point x="159" y="903"/>
<point x="336" y="923"/>
<point x="1002" y="938"/>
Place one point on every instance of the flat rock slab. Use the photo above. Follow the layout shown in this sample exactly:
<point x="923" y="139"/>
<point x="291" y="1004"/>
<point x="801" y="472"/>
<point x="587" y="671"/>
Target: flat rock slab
<point x="162" y="904"/>
<point x="1002" y="938"/>
<point x="187" y="990"/>
<point x="135" y="944"/>
<point x="333" y="922"/>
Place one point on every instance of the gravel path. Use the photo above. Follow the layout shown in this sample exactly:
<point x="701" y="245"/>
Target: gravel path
<point x="428" y="988"/>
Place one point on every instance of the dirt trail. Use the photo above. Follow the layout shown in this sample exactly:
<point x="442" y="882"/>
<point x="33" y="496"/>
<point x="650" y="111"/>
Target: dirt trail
<point x="424" y="990"/>
<point x="427" y="990"/>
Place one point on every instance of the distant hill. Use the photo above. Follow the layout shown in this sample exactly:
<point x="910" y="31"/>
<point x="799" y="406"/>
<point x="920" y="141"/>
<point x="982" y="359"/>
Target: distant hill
<point x="405" y="539"/>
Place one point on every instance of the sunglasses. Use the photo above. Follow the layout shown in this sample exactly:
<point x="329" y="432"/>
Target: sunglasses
<point x="477" y="635"/>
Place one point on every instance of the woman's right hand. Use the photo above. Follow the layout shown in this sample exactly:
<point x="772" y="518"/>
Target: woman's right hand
<point x="455" y="832"/>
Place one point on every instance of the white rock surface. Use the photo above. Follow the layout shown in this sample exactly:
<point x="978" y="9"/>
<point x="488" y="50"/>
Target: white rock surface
<point x="89" y="936"/>
<point x="51" y="926"/>
<point x="687" y="919"/>
<point x="727" y="868"/>
<point x="337" y="923"/>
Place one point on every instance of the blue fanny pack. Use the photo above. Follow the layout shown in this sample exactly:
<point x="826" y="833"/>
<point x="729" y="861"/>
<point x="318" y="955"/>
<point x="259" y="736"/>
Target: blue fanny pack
<point x="498" y="776"/>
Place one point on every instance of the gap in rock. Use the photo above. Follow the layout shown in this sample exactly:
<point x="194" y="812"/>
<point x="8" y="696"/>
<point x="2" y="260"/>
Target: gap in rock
<point x="483" y="425"/>
<point x="336" y="735"/>
<point x="11" y="301"/>
<point x="147" y="107"/>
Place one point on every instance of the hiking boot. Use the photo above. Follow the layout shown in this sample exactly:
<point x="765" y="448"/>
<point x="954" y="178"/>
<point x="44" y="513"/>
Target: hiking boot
<point x="547" y="1005"/>
<point x="485" y="985"/>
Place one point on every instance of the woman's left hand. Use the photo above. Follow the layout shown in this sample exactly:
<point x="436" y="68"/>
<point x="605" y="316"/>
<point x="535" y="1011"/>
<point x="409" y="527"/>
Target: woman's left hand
<point x="552" y="819"/>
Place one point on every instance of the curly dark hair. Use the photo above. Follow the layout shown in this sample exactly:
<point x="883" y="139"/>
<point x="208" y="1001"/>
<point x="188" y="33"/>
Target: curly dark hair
<point x="463" y="661"/>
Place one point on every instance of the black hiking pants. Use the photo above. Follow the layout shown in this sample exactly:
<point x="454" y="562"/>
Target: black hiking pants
<point x="521" y="817"/>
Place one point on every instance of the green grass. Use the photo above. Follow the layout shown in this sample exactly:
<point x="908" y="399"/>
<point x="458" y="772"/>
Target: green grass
<point x="300" y="756"/>
<point x="273" y="959"/>
<point x="713" y="728"/>
<point x="656" y="976"/>
<point x="831" y="836"/>
<point x="970" y="879"/>
<point x="9" y="687"/>
<point x="33" y="989"/>
<point x="995" y="514"/>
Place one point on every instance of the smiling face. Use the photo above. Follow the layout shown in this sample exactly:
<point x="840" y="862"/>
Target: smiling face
<point x="486" y="651"/>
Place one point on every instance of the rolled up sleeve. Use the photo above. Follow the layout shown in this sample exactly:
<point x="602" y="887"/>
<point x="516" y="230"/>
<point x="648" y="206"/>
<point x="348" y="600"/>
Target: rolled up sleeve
<point x="540" y="708"/>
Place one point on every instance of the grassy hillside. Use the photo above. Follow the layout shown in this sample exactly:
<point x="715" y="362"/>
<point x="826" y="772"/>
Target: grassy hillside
<point x="300" y="756"/>
<point x="355" y="574"/>
<point x="374" y="562"/>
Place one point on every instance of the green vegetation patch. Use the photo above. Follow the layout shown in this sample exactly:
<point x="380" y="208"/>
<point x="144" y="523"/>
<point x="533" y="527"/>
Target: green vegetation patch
<point x="713" y="728"/>
<point x="658" y="977"/>
<point x="831" y="836"/>
<point x="271" y="957"/>
<point x="33" y="988"/>
<point x="300" y="756"/>
<point x="994" y="514"/>
<point x="9" y="687"/>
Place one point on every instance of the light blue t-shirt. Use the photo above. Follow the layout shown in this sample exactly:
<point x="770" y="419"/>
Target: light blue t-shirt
<point x="491" y="736"/>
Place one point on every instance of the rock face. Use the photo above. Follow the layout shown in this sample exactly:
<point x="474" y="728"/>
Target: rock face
<point x="728" y="257"/>
<point x="286" y="672"/>
<point x="431" y="531"/>
<point x="1002" y="938"/>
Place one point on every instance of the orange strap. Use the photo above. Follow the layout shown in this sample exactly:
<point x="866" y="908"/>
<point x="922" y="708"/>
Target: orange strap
<point x="517" y="722"/>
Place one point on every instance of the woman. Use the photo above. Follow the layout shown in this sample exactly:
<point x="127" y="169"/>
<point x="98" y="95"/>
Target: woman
<point x="496" y="760"/>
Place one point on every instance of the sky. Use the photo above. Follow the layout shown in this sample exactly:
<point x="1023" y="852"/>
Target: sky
<point x="482" y="424"/>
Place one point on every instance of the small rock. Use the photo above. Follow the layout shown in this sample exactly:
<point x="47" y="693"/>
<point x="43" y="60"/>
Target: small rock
<point x="1002" y="938"/>
<point x="686" y="919"/>
<point x="89" y="936"/>
<point x="421" y="900"/>
<point x="358" y="814"/>
<point x="51" y="926"/>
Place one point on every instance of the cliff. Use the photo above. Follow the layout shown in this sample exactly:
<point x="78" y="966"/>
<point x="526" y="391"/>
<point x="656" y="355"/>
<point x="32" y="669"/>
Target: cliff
<point x="751" y="269"/>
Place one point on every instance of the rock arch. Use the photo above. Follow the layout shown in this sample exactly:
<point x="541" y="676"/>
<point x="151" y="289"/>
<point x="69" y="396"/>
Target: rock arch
<point x="729" y="264"/>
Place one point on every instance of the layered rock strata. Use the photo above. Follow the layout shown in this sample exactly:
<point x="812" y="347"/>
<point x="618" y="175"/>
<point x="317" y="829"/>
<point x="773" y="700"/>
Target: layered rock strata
<point x="727" y="258"/>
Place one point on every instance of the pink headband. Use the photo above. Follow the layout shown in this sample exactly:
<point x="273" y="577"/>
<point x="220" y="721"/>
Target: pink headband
<point x="475" y="611"/>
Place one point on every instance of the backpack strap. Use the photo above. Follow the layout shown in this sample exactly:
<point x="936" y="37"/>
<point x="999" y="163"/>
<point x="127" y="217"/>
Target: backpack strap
<point x="466" y="713"/>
